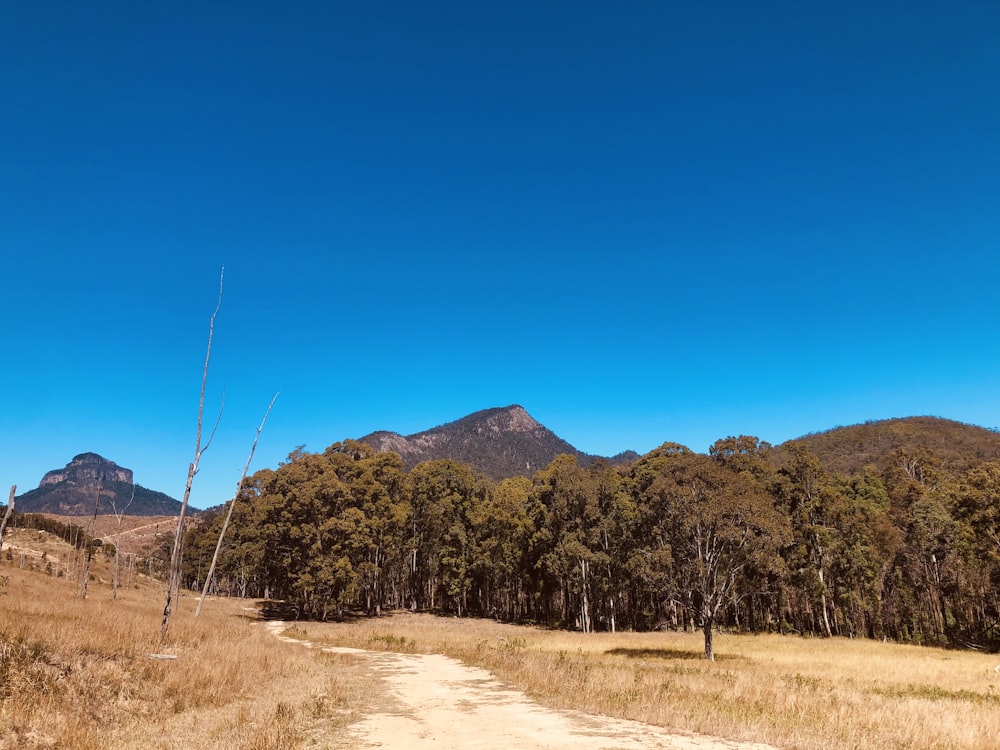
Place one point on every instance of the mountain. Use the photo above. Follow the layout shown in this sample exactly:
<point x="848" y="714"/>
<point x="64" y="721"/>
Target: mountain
<point x="501" y="442"/>
<point x="72" y="491"/>
<point x="955" y="445"/>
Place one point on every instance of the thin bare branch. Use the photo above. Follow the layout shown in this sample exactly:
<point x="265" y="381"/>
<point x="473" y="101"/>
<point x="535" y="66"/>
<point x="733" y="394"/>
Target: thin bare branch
<point x="174" y="572"/>
<point x="218" y="419"/>
<point x="229" y="512"/>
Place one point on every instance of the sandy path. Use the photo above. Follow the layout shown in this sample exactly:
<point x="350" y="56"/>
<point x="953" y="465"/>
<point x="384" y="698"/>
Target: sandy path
<point x="437" y="702"/>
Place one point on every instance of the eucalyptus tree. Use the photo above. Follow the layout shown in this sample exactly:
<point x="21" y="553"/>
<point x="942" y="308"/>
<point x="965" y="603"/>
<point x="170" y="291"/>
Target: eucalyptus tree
<point x="573" y="558"/>
<point x="614" y="537"/>
<point x="978" y="510"/>
<point x="929" y="568"/>
<point x="861" y="559"/>
<point x="503" y="527"/>
<point x="377" y="484"/>
<point x="440" y="546"/>
<point x="715" y="530"/>
<point x="808" y="498"/>
<point x="316" y="527"/>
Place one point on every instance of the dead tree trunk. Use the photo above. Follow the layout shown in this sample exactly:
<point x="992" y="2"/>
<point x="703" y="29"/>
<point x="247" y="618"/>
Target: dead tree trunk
<point x="119" y="515"/>
<point x="6" y="516"/>
<point x="174" y="568"/>
<point x="229" y="513"/>
<point x="85" y="578"/>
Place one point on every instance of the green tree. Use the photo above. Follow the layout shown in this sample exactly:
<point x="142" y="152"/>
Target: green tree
<point x="440" y="543"/>
<point x="808" y="498"/>
<point x="574" y="561"/>
<point x="376" y="483"/>
<point x="614" y="535"/>
<point x="503" y="528"/>
<point x="978" y="512"/>
<point x="721" y="528"/>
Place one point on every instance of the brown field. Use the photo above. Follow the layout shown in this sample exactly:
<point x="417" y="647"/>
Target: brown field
<point x="138" y="534"/>
<point x="786" y="691"/>
<point x="76" y="673"/>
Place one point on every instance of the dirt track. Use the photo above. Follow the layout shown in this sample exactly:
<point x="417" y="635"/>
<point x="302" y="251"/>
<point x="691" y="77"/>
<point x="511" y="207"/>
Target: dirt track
<point x="437" y="702"/>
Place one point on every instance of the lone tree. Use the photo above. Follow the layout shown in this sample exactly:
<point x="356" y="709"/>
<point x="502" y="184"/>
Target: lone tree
<point x="720" y="526"/>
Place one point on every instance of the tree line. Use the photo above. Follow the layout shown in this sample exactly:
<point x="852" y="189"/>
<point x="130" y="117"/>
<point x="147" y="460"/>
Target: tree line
<point x="675" y="539"/>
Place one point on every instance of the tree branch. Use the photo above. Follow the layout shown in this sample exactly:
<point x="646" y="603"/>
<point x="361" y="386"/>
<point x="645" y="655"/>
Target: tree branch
<point x="229" y="512"/>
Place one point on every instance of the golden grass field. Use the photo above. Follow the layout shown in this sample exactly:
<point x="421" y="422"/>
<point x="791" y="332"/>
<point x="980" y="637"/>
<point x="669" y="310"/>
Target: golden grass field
<point x="75" y="673"/>
<point x="786" y="691"/>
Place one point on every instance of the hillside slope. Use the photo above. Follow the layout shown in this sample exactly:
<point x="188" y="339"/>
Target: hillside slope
<point x="958" y="446"/>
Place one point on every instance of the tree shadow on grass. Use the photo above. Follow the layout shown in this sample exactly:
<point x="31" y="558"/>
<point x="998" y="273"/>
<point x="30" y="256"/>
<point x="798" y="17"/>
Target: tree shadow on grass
<point x="274" y="609"/>
<point x="277" y="610"/>
<point x="667" y="653"/>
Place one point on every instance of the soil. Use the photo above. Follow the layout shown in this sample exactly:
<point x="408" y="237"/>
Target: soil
<point x="433" y="701"/>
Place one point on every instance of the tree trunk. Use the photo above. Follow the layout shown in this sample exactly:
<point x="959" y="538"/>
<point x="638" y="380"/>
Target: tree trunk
<point x="119" y="514"/>
<point x="822" y="600"/>
<point x="174" y="567"/>
<point x="90" y="545"/>
<point x="707" y="629"/>
<point x="584" y="603"/>
<point x="6" y="516"/>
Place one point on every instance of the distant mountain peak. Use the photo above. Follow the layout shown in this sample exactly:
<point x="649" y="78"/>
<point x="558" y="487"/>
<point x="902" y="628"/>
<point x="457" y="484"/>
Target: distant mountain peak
<point x="86" y="468"/>
<point x="74" y="489"/>
<point x="502" y="442"/>
<point x="516" y="419"/>
<point x="512" y="418"/>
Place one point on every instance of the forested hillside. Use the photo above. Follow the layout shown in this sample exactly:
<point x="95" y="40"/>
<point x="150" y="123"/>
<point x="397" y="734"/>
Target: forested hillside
<point x="950" y="445"/>
<point x="677" y="539"/>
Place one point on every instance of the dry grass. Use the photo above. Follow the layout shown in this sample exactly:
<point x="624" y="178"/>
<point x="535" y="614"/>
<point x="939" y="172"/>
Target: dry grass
<point x="75" y="673"/>
<point x="789" y="692"/>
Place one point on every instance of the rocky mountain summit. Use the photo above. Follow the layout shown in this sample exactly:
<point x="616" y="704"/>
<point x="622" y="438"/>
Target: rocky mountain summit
<point x="74" y="489"/>
<point x="88" y="468"/>
<point x="501" y="442"/>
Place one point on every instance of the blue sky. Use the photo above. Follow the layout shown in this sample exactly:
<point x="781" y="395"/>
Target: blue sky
<point x="641" y="221"/>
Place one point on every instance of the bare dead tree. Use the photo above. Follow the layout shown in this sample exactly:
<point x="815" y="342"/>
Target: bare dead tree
<point x="89" y="540"/>
<point x="119" y="516"/>
<point x="229" y="512"/>
<point x="6" y="516"/>
<point x="174" y="568"/>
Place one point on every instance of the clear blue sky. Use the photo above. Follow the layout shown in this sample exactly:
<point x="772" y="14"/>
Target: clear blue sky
<point x="641" y="221"/>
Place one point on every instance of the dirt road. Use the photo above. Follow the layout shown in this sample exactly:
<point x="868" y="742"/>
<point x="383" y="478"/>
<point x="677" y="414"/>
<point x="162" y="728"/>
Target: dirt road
<point x="436" y="702"/>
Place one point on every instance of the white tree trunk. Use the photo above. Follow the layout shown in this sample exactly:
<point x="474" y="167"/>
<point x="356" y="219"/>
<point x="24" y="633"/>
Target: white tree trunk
<point x="174" y="568"/>
<point x="6" y="516"/>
